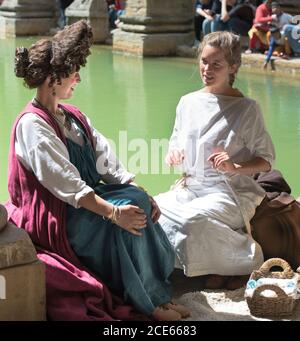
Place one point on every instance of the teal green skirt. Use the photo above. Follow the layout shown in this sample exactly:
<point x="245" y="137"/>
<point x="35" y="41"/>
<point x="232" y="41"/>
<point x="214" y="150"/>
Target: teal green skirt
<point x="135" y="268"/>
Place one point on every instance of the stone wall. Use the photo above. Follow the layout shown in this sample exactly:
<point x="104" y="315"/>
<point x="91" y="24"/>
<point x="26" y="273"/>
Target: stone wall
<point x="291" y="6"/>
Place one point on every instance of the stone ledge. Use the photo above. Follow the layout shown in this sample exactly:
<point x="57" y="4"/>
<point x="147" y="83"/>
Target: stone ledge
<point x="253" y="61"/>
<point x="16" y="247"/>
<point x="277" y="65"/>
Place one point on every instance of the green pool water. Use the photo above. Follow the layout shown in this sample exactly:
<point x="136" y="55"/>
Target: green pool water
<point x="132" y="101"/>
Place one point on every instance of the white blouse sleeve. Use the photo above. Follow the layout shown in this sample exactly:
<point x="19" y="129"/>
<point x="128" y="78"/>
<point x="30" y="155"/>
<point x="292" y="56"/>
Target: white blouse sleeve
<point x="256" y="137"/>
<point x="174" y="139"/>
<point x="39" y="149"/>
<point x="108" y="166"/>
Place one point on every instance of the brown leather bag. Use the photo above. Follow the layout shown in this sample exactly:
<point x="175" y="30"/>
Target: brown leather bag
<point x="276" y="227"/>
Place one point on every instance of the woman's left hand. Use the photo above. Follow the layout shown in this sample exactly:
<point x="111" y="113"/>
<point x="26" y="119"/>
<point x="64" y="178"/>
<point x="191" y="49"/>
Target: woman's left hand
<point x="155" y="214"/>
<point x="221" y="161"/>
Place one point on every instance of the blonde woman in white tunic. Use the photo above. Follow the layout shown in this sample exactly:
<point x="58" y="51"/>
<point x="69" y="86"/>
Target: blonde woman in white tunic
<point x="219" y="140"/>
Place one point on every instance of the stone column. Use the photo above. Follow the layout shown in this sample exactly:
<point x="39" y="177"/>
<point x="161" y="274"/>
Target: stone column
<point x="95" y="12"/>
<point x="26" y="17"/>
<point x="155" y="27"/>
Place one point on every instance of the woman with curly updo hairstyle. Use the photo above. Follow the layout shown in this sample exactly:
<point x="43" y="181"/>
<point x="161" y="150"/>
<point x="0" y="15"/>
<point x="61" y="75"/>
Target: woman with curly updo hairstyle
<point x="34" y="65"/>
<point x="57" y="58"/>
<point x="91" y="223"/>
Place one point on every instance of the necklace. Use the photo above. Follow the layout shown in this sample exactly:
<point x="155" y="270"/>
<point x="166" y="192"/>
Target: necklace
<point x="65" y="121"/>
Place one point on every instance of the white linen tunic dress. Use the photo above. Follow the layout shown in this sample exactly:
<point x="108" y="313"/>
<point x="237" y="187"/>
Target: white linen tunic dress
<point x="206" y="217"/>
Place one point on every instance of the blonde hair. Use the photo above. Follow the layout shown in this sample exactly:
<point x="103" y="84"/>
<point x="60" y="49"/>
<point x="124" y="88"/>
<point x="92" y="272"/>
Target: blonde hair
<point x="229" y="43"/>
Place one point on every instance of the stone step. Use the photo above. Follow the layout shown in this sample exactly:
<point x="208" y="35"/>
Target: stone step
<point x="3" y="217"/>
<point x="16" y="247"/>
<point x="22" y="275"/>
<point x="22" y="293"/>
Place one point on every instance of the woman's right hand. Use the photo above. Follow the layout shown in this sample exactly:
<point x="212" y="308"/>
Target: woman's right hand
<point x="132" y="219"/>
<point x="174" y="157"/>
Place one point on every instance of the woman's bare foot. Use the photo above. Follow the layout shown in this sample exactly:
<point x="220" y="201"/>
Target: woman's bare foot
<point x="162" y="313"/>
<point x="182" y="310"/>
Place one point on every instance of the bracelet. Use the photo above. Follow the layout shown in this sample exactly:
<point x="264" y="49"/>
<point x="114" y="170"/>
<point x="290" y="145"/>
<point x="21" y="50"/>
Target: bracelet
<point x="115" y="214"/>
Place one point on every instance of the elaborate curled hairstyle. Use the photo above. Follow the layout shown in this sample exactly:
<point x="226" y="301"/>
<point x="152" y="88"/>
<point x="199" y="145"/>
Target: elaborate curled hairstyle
<point x="59" y="57"/>
<point x="229" y="43"/>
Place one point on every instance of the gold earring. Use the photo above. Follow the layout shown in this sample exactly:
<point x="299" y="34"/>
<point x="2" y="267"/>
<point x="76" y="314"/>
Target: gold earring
<point x="53" y="91"/>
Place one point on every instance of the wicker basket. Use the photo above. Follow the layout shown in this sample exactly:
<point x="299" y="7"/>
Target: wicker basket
<point x="280" y="305"/>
